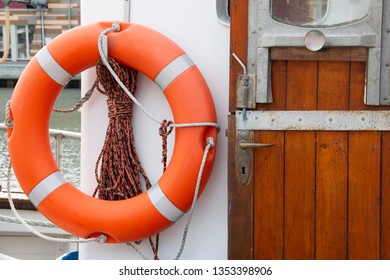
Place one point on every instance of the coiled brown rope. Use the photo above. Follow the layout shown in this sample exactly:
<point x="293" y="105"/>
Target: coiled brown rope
<point x="120" y="168"/>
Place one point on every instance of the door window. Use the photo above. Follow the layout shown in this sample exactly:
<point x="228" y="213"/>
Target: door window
<point x="319" y="12"/>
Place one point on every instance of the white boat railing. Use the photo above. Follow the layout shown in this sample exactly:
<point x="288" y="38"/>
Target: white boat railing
<point x="58" y="136"/>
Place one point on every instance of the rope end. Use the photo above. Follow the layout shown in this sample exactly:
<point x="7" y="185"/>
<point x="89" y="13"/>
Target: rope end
<point x="116" y="26"/>
<point x="210" y="141"/>
<point x="102" y="238"/>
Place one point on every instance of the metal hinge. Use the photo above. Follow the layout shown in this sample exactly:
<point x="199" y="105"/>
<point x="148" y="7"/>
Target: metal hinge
<point x="245" y="89"/>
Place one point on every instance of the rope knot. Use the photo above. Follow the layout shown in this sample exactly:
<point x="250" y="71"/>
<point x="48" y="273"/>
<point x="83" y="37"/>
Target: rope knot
<point x="116" y="26"/>
<point x="164" y="130"/>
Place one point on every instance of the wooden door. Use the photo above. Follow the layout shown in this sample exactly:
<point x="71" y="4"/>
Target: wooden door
<point x="314" y="194"/>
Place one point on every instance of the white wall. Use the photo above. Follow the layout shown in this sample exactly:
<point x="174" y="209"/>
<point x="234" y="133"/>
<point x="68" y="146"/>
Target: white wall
<point x="193" y="25"/>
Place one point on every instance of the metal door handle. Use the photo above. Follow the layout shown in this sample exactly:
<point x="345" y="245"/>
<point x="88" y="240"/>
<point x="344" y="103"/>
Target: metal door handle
<point x="246" y="145"/>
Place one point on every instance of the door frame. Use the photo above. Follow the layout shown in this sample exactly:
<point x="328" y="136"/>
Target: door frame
<point x="240" y="197"/>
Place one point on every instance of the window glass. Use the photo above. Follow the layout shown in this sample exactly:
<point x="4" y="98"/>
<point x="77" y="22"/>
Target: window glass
<point x="25" y="35"/>
<point x="319" y="12"/>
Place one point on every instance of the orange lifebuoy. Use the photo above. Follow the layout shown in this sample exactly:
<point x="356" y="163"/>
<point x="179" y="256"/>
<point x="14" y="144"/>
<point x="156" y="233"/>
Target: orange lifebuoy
<point x="29" y="146"/>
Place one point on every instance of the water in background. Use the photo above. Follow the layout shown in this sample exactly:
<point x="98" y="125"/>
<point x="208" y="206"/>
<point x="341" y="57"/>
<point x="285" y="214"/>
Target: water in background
<point x="71" y="148"/>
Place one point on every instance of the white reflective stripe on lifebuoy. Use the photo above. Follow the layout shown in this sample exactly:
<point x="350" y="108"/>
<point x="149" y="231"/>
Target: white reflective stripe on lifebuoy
<point x="52" y="68"/>
<point x="45" y="187"/>
<point x="172" y="70"/>
<point x="163" y="204"/>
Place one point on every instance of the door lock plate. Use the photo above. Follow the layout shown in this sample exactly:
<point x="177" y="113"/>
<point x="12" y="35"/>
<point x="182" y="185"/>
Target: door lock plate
<point x="244" y="156"/>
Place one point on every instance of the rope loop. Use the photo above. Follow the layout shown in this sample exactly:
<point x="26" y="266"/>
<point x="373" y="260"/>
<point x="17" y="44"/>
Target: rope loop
<point x="8" y="121"/>
<point x="164" y="130"/>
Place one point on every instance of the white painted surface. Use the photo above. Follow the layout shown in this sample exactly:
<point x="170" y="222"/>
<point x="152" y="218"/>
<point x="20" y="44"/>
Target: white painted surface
<point x="193" y="25"/>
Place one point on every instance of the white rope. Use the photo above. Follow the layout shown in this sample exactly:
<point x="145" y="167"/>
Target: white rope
<point x="210" y="143"/>
<point x="101" y="239"/>
<point x="200" y="124"/>
<point x="8" y="219"/>
<point x="116" y="28"/>
<point x="8" y="122"/>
